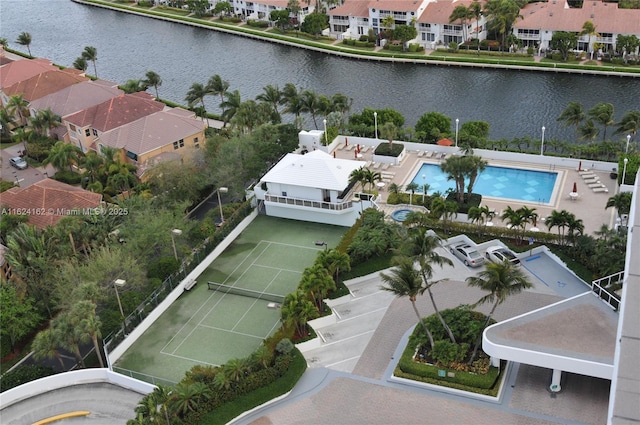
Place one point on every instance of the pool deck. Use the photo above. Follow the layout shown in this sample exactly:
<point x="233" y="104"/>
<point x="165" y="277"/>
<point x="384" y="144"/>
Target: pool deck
<point x="589" y="206"/>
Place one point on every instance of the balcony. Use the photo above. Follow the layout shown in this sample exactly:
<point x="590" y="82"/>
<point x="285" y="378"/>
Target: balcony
<point x="339" y="21"/>
<point x="452" y="32"/>
<point x="340" y="206"/>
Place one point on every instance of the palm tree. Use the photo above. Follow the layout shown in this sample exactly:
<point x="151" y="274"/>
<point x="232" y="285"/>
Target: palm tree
<point x="395" y="188"/>
<point x="195" y="95"/>
<point x="334" y="261"/>
<point x="515" y="220"/>
<point x="152" y="79"/>
<point x="7" y="122"/>
<point x="476" y="11"/>
<point x="588" y="131"/>
<point x="230" y="106"/>
<point x="90" y="53"/>
<point x="63" y="155"/>
<point x="456" y="168"/>
<point x="621" y="202"/>
<point x="629" y="123"/>
<point x="475" y="165"/>
<point x="476" y="216"/>
<point x="273" y="96"/>
<point x="371" y="177"/>
<point x="559" y="219"/>
<point x="573" y="115"/>
<point x="501" y="280"/>
<point x="45" y="346"/>
<point x="602" y="113"/>
<point x="297" y="310"/>
<point x="461" y="14"/>
<point x="45" y="119"/>
<point x="358" y="176"/>
<point x="218" y="87"/>
<point x="575" y="227"/>
<point x="405" y="281"/>
<point x="317" y="282"/>
<point x="90" y="324"/>
<point x="91" y="163"/>
<point x="186" y="396"/>
<point x="80" y="63"/>
<point x="71" y="335"/>
<point x="4" y="43"/>
<point x="421" y="248"/>
<point x="502" y="14"/>
<point x="588" y="28"/>
<point x="411" y="187"/>
<point x="310" y="102"/>
<point x="24" y="39"/>
<point x="17" y="106"/>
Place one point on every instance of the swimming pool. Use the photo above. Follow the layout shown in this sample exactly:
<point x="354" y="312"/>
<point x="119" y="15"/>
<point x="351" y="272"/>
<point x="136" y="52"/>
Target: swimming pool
<point x="496" y="182"/>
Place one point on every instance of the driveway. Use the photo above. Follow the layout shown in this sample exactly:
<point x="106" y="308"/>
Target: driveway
<point x="25" y="177"/>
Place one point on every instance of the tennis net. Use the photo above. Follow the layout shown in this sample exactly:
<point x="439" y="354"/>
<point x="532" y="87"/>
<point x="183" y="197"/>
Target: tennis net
<point x="245" y="292"/>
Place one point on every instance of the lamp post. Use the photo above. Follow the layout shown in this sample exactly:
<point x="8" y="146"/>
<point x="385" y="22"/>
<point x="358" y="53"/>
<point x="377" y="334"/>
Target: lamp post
<point x="222" y="190"/>
<point x="175" y="232"/>
<point x="626" y="149"/>
<point x="542" y="144"/>
<point x="624" y="170"/>
<point x="326" y="142"/>
<point x="120" y="283"/>
<point x="375" y="122"/>
<point x="457" y="122"/>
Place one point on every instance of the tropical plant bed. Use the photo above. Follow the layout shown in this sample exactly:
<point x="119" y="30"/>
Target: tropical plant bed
<point x="447" y="364"/>
<point x="389" y="149"/>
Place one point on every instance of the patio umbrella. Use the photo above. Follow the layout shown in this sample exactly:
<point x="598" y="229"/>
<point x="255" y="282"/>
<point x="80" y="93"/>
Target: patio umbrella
<point x="346" y="142"/>
<point x="445" y="142"/>
<point x="579" y="167"/>
<point x="575" y="187"/>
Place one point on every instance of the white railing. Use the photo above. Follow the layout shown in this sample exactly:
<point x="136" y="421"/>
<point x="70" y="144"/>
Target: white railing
<point x="598" y="287"/>
<point x="308" y="203"/>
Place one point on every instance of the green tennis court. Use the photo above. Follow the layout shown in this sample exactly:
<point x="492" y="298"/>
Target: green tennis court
<point x="206" y="326"/>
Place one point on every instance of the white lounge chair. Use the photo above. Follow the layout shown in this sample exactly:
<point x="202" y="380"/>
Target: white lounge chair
<point x="385" y="166"/>
<point x="584" y="171"/>
<point x="602" y="189"/>
<point x="421" y="154"/>
<point x="588" y="176"/>
<point x="428" y="154"/>
<point x="595" y="184"/>
<point x="592" y="181"/>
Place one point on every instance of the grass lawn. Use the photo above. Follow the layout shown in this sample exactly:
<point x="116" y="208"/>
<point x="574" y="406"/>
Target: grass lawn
<point x="474" y="56"/>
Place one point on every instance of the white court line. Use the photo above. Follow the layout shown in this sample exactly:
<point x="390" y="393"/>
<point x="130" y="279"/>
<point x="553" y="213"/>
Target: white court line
<point x="200" y="323"/>
<point x="187" y="358"/>
<point x="277" y="268"/>
<point x="233" y="332"/>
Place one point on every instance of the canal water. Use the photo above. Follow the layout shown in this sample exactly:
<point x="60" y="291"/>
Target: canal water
<point x="515" y="103"/>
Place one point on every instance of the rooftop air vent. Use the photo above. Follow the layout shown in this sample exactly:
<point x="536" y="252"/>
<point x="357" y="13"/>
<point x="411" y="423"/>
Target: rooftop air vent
<point x="551" y="14"/>
<point x="592" y="16"/>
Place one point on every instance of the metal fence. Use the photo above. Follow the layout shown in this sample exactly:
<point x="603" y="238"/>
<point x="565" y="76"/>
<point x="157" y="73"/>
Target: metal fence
<point x="144" y="377"/>
<point x="188" y="264"/>
<point x="598" y="287"/>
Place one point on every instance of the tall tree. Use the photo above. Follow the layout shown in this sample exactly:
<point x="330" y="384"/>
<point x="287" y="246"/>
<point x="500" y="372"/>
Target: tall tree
<point x="24" y="39"/>
<point x="629" y="124"/>
<point x="152" y="79"/>
<point x="218" y="87"/>
<point x="63" y="155"/>
<point x="297" y="310"/>
<point x="588" y="28"/>
<point x="17" y="106"/>
<point x="317" y="282"/>
<point x="502" y="14"/>
<point x="45" y="121"/>
<point x="461" y="14"/>
<point x="17" y="315"/>
<point x="272" y="95"/>
<point x="90" y="53"/>
<point x="334" y="261"/>
<point x="602" y="113"/>
<point x="421" y="248"/>
<point x="80" y="63"/>
<point x="501" y="280"/>
<point x="230" y="106"/>
<point x="564" y="42"/>
<point x="573" y="114"/>
<point x="404" y="281"/>
<point x="621" y="202"/>
<point x="195" y="95"/>
<point x="475" y="9"/>
<point x="46" y="346"/>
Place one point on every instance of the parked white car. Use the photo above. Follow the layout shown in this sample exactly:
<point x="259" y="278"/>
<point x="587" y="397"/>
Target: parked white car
<point x="467" y="254"/>
<point x="499" y="254"/>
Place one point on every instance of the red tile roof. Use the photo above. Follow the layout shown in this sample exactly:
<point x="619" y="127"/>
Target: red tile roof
<point x="44" y="84"/>
<point x="48" y="200"/>
<point x="117" y="111"/>
<point x="438" y="12"/>
<point x="555" y="15"/>
<point x="23" y="69"/>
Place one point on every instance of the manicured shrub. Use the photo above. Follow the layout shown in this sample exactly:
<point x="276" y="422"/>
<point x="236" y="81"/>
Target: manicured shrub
<point x="162" y="267"/>
<point x="257" y="24"/>
<point x="445" y="352"/>
<point x="67" y="176"/>
<point x="24" y="374"/>
<point x="387" y="149"/>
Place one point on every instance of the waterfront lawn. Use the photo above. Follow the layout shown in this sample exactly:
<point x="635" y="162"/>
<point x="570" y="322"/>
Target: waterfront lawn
<point x="471" y="55"/>
<point x="173" y="10"/>
<point x="301" y="35"/>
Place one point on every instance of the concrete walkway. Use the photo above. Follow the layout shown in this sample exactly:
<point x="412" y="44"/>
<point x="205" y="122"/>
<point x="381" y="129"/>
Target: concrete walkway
<point x="332" y="395"/>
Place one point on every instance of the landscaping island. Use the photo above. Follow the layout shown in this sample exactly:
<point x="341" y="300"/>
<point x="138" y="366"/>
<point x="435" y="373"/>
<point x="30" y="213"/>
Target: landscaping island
<point x="354" y="53"/>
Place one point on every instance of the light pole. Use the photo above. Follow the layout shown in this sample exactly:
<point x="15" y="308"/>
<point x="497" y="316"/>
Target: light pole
<point x="542" y="144"/>
<point x="175" y="232"/>
<point x="120" y="283"/>
<point x="326" y="142"/>
<point x="222" y="190"/>
<point x="624" y="170"/>
<point x="375" y="122"/>
<point x="457" y="122"/>
<point x="626" y="149"/>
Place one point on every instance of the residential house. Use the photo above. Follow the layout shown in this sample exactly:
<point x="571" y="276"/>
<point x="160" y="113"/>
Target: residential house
<point x="435" y="29"/>
<point x="85" y="128"/>
<point x="541" y="20"/>
<point x="14" y="72"/>
<point x="48" y="201"/>
<point x="261" y="9"/>
<point x="43" y="84"/>
<point x="161" y="136"/>
<point x="74" y="99"/>
<point x="312" y="187"/>
<point x="350" y="20"/>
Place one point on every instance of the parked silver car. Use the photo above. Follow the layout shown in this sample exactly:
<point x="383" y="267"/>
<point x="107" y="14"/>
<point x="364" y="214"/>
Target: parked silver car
<point x="18" y="163"/>
<point x="467" y="254"/>
<point x="499" y="254"/>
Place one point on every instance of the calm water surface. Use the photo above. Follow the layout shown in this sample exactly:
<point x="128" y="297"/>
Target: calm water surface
<point x="515" y="103"/>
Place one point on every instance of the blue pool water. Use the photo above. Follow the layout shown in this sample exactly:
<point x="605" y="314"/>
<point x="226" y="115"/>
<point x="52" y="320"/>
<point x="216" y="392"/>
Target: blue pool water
<point x="400" y="215"/>
<point x="496" y="182"/>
